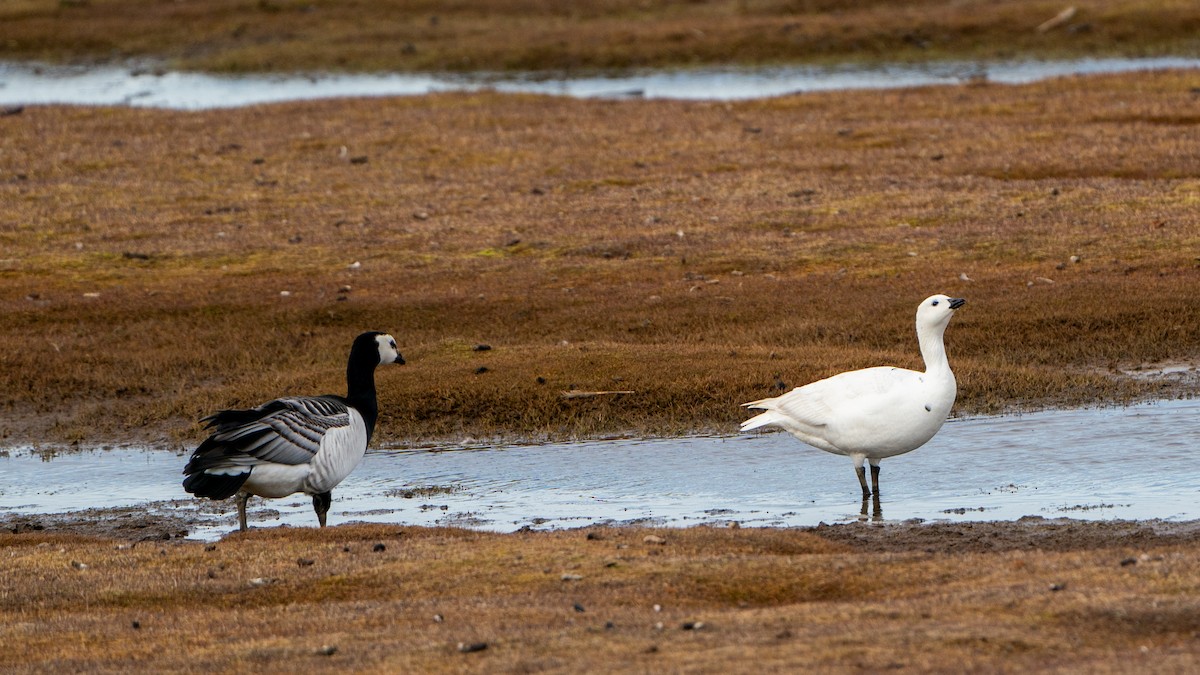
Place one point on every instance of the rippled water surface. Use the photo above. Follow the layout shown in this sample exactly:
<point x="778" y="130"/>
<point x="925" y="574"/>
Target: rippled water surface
<point x="111" y="85"/>
<point x="1129" y="463"/>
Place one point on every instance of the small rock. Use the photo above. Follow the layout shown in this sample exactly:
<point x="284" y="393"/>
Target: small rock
<point x="355" y="265"/>
<point x="467" y="648"/>
<point x="360" y="159"/>
<point x="78" y="565"/>
<point x="692" y="625"/>
<point x="421" y="215"/>
<point x="305" y="562"/>
<point x="327" y="650"/>
<point x="260" y="581"/>
<point x="481" y="348"/>
<point x="653" y="539"/>
<point x="1057" y="587"/>
<point x="963" y="277"/>
<point x="438" y="618"/>
<point x="572" y="577"/>
<point x="345" y="289"/>
<point x="1128" y="561"/>
<point x="658" y="608"/>
<point x="285" y="294"/>
<point x="379" y="548"/>
<point x="608" y="625"/>
<point x="137" y="625"/>
<point x="210" y="548"/>
<point x="481" y="370"/>
<point x="594" y="536"/>
<point x="537" y="191"/>
<point x="658" y="626"/>
<point x="1075" y="259"/>
<point x="651" y="649"/>
<point x="579" y="608"/>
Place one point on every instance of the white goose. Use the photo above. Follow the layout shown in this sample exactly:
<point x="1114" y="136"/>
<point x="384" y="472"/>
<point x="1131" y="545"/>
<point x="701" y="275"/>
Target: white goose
<point x="877" y="412"/>
<point x="303" y="444"/>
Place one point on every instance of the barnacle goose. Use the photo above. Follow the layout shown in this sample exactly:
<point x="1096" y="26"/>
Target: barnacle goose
<point x="873" y="413"/>
<point x="296" y="444"/>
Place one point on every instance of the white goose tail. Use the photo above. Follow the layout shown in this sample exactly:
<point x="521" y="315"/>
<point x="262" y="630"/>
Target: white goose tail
<point x="767" y="418"/>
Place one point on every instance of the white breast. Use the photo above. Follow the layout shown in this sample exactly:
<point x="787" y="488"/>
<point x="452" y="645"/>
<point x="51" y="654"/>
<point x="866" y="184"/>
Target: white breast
<point x="341" y="451"/>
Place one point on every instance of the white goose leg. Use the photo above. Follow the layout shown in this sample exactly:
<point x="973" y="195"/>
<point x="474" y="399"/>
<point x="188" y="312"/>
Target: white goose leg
<point x="241" y="507"/>
<point x="862" y="475"/>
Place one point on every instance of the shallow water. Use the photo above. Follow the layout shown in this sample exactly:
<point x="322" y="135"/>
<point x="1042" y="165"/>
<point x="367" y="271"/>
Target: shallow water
<point x="1127" y="463"/>
<point x="22" y="83"/>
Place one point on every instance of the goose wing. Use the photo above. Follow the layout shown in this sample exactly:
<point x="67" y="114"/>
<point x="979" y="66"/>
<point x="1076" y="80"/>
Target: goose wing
<point x="283" y="431"/>
<point x="819" y="403"/>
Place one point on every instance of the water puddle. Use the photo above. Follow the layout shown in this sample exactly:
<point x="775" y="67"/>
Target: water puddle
<point x="23" y="84"/>
<point x="1112" y="463"/>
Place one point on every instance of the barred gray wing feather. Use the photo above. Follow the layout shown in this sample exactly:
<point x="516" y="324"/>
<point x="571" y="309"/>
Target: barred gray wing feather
<point x="285" y="431"/>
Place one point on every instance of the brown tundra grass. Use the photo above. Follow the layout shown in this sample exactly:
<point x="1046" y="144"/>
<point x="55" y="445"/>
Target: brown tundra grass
<point x="500" y="35"/>
<point x="604" y="600"/>
<point x="697" y="254"/>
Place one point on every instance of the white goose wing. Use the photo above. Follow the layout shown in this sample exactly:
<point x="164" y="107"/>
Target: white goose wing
<point x="820" y="403"/>
<point x="283" y="431"/>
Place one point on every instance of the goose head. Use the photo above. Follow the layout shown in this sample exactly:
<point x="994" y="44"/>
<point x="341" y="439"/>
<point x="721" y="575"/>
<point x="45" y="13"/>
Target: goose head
<point x="381" y="344"/>
<point x="935" y="311"/>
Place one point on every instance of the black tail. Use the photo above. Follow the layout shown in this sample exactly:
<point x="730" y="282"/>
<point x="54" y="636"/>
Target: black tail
<point x="214" y="486"/>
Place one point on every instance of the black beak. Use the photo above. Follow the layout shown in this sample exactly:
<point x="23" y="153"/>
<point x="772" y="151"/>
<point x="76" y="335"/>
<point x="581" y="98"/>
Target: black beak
<point x="955" y="303"/>
<point x="399" y="359"/>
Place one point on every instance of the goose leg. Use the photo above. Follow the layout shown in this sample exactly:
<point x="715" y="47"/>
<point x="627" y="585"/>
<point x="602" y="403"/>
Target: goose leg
<point x="875" y="476"/>
<point x="241" y="507"/>
<point x="321" y="504"/>
<point x="861" y="471"/>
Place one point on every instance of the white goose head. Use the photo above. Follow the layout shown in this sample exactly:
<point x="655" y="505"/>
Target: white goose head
<point x="935" y="311"/>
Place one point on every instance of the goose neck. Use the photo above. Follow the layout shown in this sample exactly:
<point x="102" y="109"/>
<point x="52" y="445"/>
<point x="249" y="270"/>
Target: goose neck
<point x="360" y="387"/>
<point x="933" y="351"/>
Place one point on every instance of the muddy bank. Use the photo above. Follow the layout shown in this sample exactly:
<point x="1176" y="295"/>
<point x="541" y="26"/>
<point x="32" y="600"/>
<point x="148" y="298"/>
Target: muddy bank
<point x="1027" y="534"/>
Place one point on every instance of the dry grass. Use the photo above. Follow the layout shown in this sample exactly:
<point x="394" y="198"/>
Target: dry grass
<point x="780" y="599"/>
<point x="696" y="253"/>
<point x="395" y="35"/>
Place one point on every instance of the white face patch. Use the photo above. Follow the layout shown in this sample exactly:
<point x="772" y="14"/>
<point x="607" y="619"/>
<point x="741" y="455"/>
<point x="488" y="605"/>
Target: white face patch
<point x="388" y="353"/>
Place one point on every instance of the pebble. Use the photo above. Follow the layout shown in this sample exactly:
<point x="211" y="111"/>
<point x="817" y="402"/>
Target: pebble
<point x="327" y="650"/>
<point x="467" y="648"/>
<point x="438" y="618"/>
<point x="1057" y="587"/>
<point x="481" y="348"/>
<point x="305" y="562"/>
<point x="579" y="608"/>
<point x="78" y="565"/>
<point x="653" y="539"/>
<point x="572" y="577"/>
<point x="137" y="625"/>
<point x="379" y="548"/>
<point x="692" y="625"/>
<point x="1128" y="561"/>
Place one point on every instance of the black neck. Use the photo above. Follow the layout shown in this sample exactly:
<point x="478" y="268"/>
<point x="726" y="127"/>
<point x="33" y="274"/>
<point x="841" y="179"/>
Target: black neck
<point x="360" y="385"/>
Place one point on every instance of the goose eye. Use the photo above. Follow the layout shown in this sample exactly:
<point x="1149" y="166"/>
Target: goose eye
<point x="934" y="303"/>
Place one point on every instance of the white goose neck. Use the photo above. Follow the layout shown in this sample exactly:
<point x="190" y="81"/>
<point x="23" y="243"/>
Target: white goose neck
<point x="933" y="350"/>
